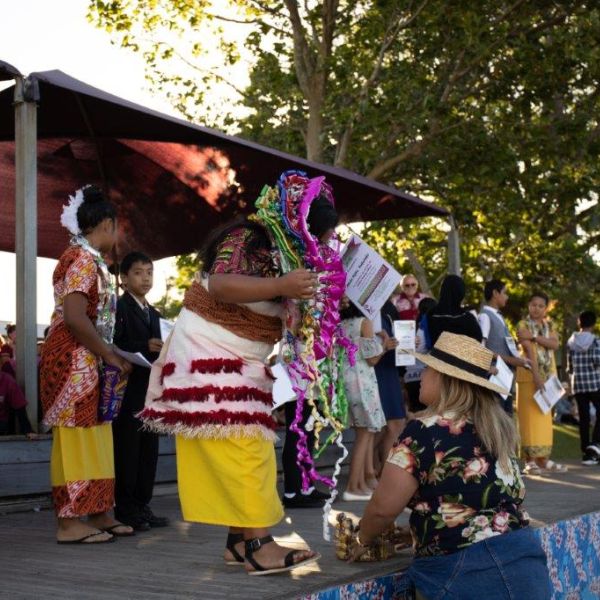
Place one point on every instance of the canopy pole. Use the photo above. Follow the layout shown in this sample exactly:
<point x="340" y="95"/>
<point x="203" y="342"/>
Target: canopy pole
<point x="26" y="97"/>
<point x="454" y="266"/>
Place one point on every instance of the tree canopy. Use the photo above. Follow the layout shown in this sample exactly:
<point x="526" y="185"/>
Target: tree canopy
<point x="489" y="108"/>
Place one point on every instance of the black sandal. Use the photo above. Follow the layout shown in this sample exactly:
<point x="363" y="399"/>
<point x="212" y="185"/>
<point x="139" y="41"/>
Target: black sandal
<point x="232" y="540"/>
<point x="254" y="545"/>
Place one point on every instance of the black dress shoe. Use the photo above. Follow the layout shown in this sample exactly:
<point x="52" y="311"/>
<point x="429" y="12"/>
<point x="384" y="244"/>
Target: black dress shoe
<point x="137" y="522"/>
<point x="152" y="519"/>
<point x="315" y="499"/>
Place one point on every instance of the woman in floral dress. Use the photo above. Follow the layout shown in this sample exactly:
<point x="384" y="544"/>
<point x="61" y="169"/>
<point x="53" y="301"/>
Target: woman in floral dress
<point x="539" y="341"/>
<point x="455" y="467"/>
<point x="79" y="342"/>
<point x="366" y="412"/>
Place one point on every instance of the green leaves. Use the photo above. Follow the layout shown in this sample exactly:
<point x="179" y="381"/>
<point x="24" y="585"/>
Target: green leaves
<point x="490" y="110"/>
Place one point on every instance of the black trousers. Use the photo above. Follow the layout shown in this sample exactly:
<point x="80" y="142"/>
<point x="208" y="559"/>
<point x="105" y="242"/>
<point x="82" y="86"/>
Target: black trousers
<point x="136" y="455"/>
<point x="583" y="406"/>
<point x="292" y="477"/>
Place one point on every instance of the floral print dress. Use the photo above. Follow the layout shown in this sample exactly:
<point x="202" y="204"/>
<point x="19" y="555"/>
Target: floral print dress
<point x="360" y="380"/>
<point x="464" y="495"/>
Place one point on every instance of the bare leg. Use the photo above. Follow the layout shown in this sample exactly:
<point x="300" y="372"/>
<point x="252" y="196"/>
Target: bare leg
<point x="356" y="479"/>
<point x="370" y="472"/>
<point x="272" y="556"/>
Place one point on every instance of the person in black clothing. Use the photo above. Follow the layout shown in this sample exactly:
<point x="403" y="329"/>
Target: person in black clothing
<point x="449" y="315"/>
<point x="136" y="451"/>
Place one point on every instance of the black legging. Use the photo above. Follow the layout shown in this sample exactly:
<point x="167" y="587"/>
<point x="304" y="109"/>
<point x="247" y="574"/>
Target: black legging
<point x="583" y="406"/>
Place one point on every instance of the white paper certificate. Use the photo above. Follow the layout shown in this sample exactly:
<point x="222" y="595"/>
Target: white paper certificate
<point x="549" y="395"/>
<point x="370" y="279"/>
<point x="135" y="358"/>
<point x="405" y="333"/>
<point x="504" y="377"/>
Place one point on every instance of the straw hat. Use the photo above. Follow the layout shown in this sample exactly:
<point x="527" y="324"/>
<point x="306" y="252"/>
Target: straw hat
<point x="462" y="357"/>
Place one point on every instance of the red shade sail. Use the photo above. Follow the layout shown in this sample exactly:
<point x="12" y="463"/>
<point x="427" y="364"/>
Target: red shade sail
<point x="172" y="181"/>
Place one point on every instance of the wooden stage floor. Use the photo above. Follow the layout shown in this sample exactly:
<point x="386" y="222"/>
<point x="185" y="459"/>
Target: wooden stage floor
<point x="184" y="560"/>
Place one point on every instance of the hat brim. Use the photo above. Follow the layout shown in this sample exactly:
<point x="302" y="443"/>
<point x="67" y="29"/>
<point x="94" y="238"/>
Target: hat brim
<point x="452" y="371"/>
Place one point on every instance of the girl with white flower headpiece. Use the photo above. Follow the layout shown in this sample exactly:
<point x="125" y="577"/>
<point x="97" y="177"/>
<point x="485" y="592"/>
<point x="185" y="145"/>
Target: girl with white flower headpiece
<point x="78" y="344"/>
<point x="455" y="467"/>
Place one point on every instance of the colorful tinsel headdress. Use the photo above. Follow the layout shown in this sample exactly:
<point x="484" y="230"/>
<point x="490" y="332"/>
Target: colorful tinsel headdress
<point x="314" y="346"/>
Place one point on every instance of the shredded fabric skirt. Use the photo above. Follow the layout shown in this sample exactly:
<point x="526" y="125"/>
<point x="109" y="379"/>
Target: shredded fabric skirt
<point x="228" y="482"/>
<point x="82" y="471"/>
<point x="535" y="428"/>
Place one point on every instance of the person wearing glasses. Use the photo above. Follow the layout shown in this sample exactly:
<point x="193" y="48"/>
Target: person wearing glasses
<point x="407" y="302"/>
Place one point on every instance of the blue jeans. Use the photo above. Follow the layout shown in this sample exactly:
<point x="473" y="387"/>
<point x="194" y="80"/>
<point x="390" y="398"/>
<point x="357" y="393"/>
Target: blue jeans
<point x="508" y="566"/>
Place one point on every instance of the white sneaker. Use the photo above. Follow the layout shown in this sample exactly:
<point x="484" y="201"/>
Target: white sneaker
<point x="594" y="448"/>
<point x="351" y="496"/>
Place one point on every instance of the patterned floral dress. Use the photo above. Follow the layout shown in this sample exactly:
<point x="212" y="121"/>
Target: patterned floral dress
<point x="464" y="495"/>
<point x="81" y="465"/>
<point x="360" y="380"/>
<point x="535" y="427"/>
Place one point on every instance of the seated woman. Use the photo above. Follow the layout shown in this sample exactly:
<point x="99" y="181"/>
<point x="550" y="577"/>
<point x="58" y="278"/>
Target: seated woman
<point x="455" y="467"/>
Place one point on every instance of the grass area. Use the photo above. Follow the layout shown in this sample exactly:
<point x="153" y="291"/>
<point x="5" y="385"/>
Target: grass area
<point x="566" y="442"/>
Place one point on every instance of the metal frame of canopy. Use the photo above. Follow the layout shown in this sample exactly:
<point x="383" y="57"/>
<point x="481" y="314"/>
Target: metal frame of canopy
<point x="128" y="120"/>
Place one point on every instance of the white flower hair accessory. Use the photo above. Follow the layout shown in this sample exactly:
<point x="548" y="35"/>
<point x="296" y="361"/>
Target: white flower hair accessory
<point x="68" y="218"/>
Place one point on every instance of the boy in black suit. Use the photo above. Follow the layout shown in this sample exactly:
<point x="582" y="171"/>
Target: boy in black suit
<point x="136" y="451"/>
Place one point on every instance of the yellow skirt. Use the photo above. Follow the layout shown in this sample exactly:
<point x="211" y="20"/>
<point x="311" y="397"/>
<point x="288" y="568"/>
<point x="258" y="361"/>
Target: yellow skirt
<point x="228" y="482"/>
<point x="82" y="470"/>
<point x="535" y="427"/>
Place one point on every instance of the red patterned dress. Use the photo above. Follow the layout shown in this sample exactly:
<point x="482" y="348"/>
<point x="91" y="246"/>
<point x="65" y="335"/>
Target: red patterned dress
<point x="81" y="465"/>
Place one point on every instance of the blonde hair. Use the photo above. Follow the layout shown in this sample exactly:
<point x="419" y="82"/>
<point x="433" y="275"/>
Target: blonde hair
<point x="494" y="427"/>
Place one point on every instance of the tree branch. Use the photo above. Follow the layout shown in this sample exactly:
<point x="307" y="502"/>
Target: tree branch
<point x="413" y="149"/>
<point x="389" y="37"/>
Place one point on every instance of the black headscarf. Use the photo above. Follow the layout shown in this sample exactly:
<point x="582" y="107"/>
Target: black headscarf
<point x="449" y="315"/>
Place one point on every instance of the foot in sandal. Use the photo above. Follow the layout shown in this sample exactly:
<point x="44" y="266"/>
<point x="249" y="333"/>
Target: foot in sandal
<point x="265" y="557"/>
<point x="75" y="531"/>
<point x="554" y="467"/>
<point x="105" y="522"/>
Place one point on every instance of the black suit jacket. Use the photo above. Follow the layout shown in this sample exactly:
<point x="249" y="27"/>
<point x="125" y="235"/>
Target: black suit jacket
<point x="132" y="333"/>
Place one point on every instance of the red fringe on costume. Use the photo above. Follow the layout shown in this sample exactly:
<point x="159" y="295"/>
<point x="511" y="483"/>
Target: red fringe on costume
<point x="218" y="417"/>
<point x="168" y="369"/>
<point x="217" y="365"/>
<point x="220" y="394"/>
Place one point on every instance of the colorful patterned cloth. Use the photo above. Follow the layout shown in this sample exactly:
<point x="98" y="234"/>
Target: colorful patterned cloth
<point x="69" y="382"/>
<point x="464" y="495"/>
<point x="233" y="256"/>
<point x="572" y="550"/>
<point x="82" y="470"/>
<point x="82" y="465"/>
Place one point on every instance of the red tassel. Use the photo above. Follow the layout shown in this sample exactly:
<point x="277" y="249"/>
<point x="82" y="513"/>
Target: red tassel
<point x="217" y="365"/>
<point x="220" y="394"/>
<point x="269" y="374"/>
<point x="215" y="417"/>
<point x="168" y="369"/>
